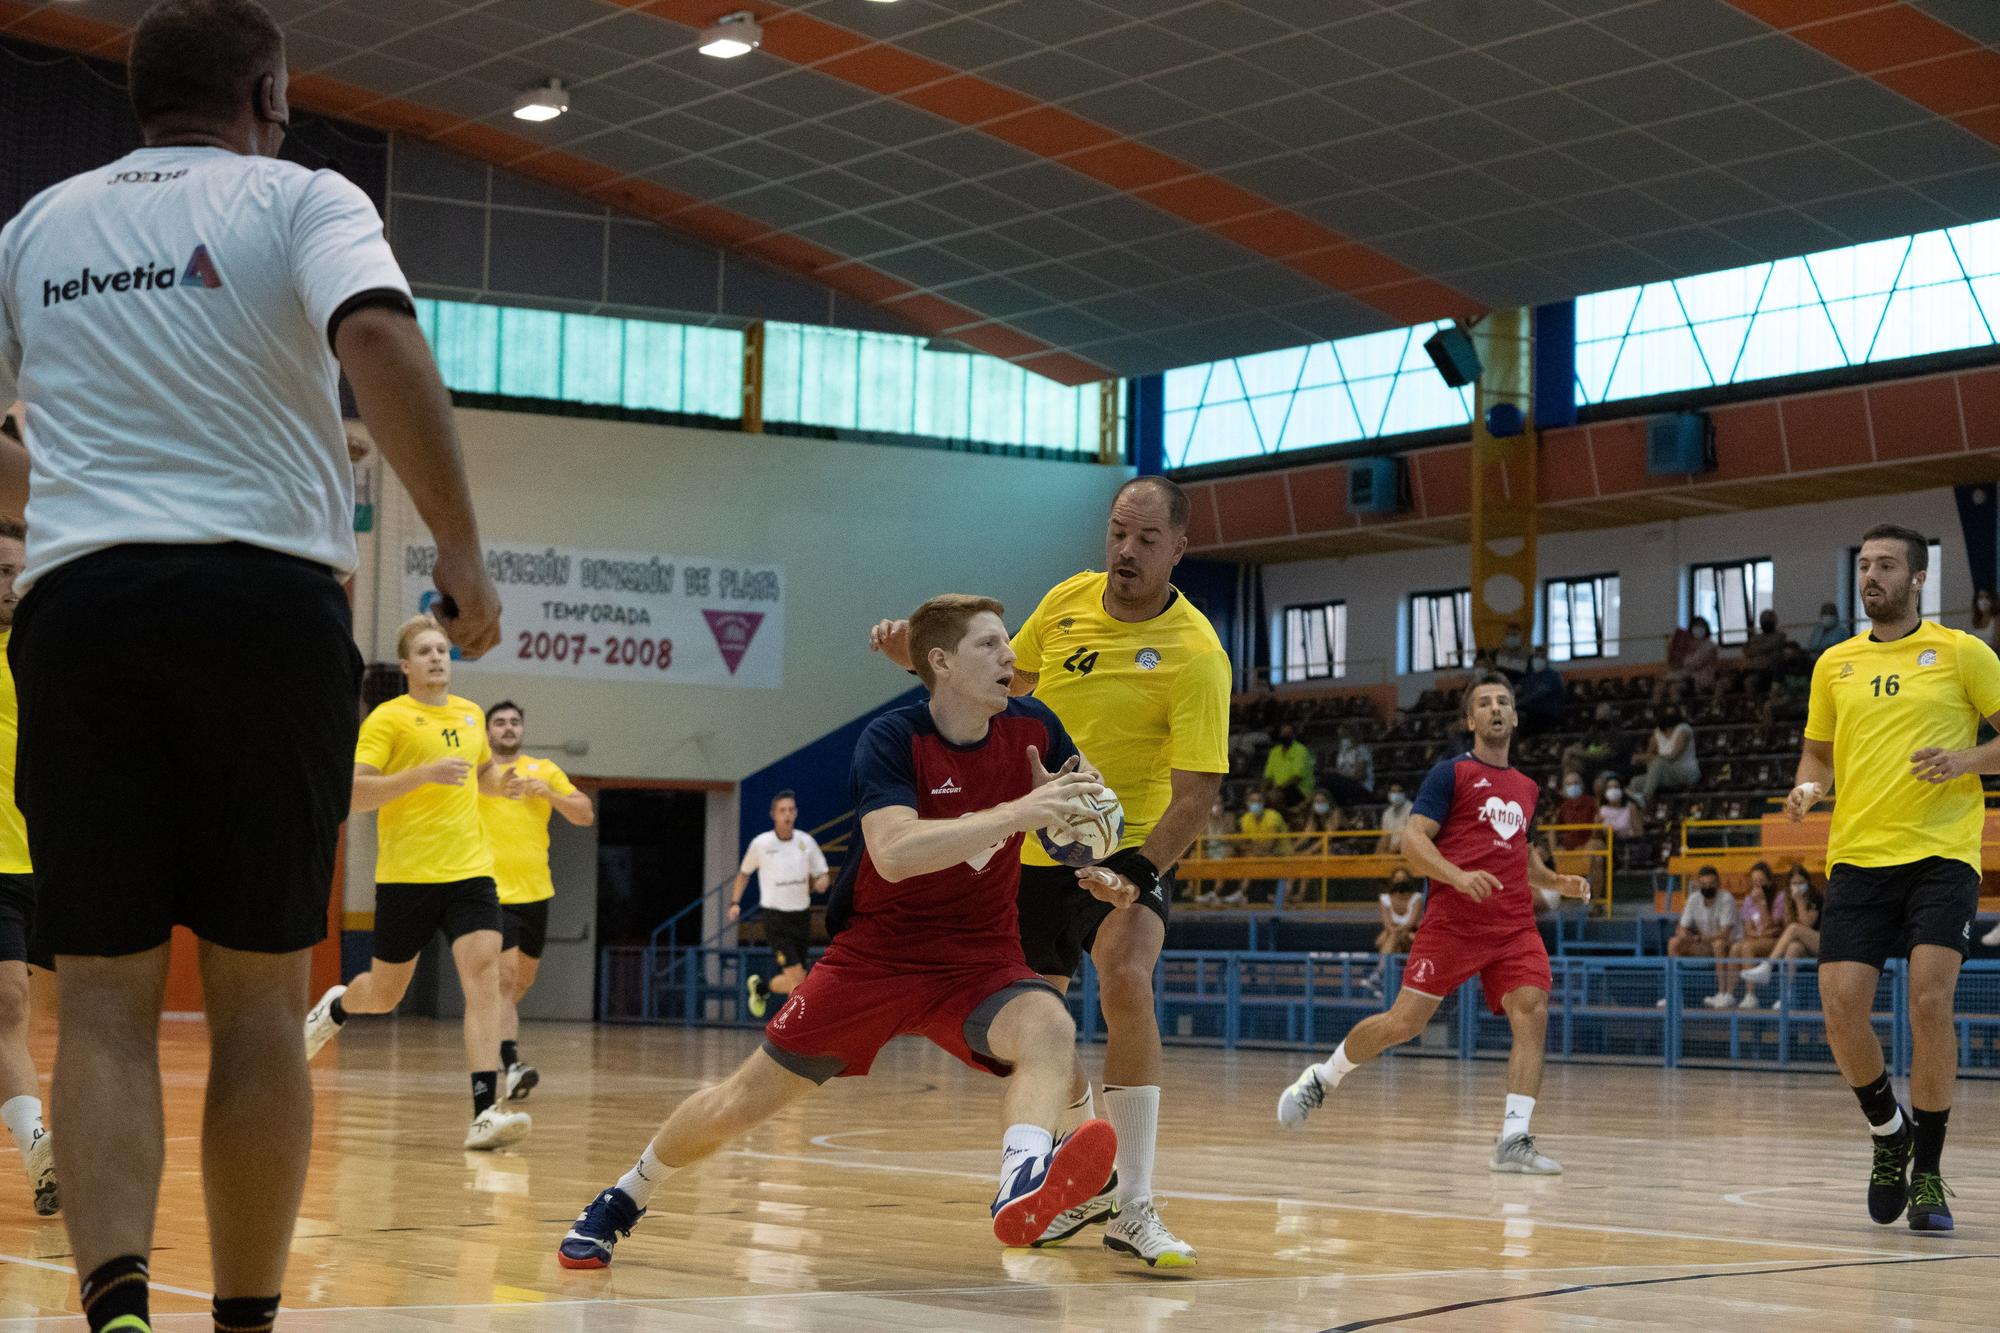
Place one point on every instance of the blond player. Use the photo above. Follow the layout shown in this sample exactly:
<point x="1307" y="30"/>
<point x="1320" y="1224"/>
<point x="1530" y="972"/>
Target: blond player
<point x="517" y="831"/>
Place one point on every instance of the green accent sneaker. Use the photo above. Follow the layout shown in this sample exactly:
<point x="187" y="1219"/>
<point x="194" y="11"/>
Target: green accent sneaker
<point x="1928" y="1210"/>
<point x="759" y="998"/>
<point x="128" y="1323"/>
<point x="1888" y="1179"/>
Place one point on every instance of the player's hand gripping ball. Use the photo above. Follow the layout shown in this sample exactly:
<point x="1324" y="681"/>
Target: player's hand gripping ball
<point x="1091" y="832"/>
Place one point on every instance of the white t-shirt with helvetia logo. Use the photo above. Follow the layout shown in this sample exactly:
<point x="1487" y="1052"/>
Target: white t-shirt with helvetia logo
<point x="165" y="318"/>
<point x="785" y="869"/>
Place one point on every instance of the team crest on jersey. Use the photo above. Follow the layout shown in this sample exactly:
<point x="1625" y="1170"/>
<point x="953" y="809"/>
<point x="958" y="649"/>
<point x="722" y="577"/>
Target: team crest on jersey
<point x="1065" y="622"/>
<point x="1928" y="657"/>
<point x="1147" y="658"/>
<point x="1846" y="670"/>
<point x="1505" y="817"/>
<point x="1422" y="970"/>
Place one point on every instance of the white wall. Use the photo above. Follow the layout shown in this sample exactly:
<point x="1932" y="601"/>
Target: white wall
<point x="1807" y="544"/>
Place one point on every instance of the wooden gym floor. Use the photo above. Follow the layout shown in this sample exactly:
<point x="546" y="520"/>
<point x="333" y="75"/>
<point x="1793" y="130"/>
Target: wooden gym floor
<point x="1693" y="1200"/>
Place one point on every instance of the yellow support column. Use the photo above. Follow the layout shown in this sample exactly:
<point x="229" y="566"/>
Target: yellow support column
<point x="753" y="379"/>
<point x="1110" y="440"/>
<point x="1504" y="495"/>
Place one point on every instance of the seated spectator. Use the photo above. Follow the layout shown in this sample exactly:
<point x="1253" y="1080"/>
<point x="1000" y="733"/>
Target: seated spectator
<point x="1288" y="769"/>
<point x="1617" y="812"/>
<point x="1830" y="630"/>
<point x="1215" y="846"/>
<point x="1598" y="749"/>
<point x="1761" y="915"/>
<point x="1395" y="818"/>
<point x="1800" y="937"/>
<point x="1692" y="659"/>
<point x="1541" y="701"/>
<point x="1350" y="821"/>
<point x="1319" y="819"/>
<point x="1268" y="828"/>
<point x="1402" y="910"/>
<point x="1763" y="654"/>
<point x="1352" y="781"/>
<point x="1512" y="658"/>
<point x="1985" y="619"/>
<point x="1568" y="849"/>
<point x="1707" y="928"/>
<point x="1669" y="758"/>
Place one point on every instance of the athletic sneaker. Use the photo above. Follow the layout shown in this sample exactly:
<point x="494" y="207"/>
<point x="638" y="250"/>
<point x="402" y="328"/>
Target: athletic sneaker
<point x="1094" y="1211"/>
<point x="521" y="1080"/>
<point x="759" y="997"/>
<point x="496" y="1128"/>
<point x="588" y="1245"/>
<point x="1750" y="999"/>
<point x="1300" y="1100"/>
<point x="1759" y="974"/>
<point x="1888" y="1178"/>
<point x="1138" y="1231"/>
<point x="1040" y="1189"/>
<point x="1928" y="1210"/>
<point x="1517" y="1155"/>
<point x="320" y="1026"/>
<point x="1991" y="937"/>
<point x="41" y="1160"/>
<point x="128" y="1323"/>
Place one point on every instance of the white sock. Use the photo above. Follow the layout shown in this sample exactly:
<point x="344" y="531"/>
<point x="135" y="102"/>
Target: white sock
<point x="1519" y="1110"/>
<point x="1336" y="1067"/>
<point x="1019" y="1140"/>
<point x="645" y="1176"/>
<point x="1135" y="1114"/>
<point x="23" y="1116"/>
<point x="1892" y="1127"/>
<point x="1078" y="1111"/>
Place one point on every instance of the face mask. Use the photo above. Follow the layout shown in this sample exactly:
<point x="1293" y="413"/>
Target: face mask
<point x="1614" y="793"/>
<point x="1710" y="890"/>
<point x="1256" y="807"/>
<point x="1285" y="738"/>
<point x="1573" y="790"/>
<point x="1513" y="641"/>
<point x="1321" y="807"/>
<point x="1799" y="887"/>
<point x="1397" y="798"/>
<point x="1700" y="633"/>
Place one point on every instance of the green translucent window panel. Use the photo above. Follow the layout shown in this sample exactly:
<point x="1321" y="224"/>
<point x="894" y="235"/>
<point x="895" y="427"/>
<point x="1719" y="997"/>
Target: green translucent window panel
<point x="886" y="380"/>
<point x="784" y="346"/>
<point x="829" y="375"/>
<point x="652" y="370"/>
<point x="944" y="396"/>
<point x="593" y="359"/>
<point x="997" y="393"/>
<point x="531" y="343"/>
<point x="1908" y="296"/>
<point x="466" y="341"/>
<point x="712" y="372"/>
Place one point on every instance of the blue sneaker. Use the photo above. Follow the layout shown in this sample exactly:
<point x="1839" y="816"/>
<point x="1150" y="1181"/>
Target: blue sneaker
<point x="588" y="1245"/>
<point x="1041" y="1189"/>
<point x="1928" y="1209"/>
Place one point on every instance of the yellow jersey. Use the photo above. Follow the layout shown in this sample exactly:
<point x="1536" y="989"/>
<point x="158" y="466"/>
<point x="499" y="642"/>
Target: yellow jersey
<point x="13" y="828"/>
<point x="1879" y="703"/>
<point x="1139" y="698"/>
<point x="431" y="835"/>
<point x="517" y="833"/>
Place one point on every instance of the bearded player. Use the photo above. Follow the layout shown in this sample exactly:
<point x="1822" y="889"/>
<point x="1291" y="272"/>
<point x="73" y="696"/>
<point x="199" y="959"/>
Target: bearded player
<point x="1468" y="835"/>
<point x="1138" y="676"/>
<point x="924" y="938"/>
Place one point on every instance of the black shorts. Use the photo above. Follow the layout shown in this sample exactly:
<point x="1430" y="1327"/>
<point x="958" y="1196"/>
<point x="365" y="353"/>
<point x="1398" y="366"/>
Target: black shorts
<point x="238" y="666"/>
<point x="407" y="915"/>
<point x="1874" y="913"/>
<point x="1059" y="918"/>
<point x="525" y="926"/>
<point x="789" y="934"/>
<point x="17" y="923"/>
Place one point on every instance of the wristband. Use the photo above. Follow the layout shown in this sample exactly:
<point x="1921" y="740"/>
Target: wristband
<point x="1133" y="865"/>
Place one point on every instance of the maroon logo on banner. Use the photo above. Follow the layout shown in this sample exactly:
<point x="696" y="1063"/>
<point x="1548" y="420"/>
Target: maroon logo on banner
<point x="733" y="631"/>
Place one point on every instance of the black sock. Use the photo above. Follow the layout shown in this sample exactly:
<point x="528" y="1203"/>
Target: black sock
<point x="482" y="1090"/>
<point x="116" y="1288"/>
<point x="1878" y="1101"/>
<point x="338" y="1014"/>
<point x="510" y="1054"/>
<point x="1930" y="1138"/>
<point x="246" y="1314"/>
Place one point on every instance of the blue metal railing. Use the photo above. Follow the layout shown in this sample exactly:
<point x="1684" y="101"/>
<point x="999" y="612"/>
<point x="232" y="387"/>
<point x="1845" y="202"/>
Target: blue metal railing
<point x="1638" y="1010"/>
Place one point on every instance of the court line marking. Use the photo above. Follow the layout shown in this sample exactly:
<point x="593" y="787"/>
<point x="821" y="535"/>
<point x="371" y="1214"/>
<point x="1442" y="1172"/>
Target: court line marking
<point x="1601" y="1228"/>
<point x="46" y="1266"/>
<point x="1379" y="1322"/>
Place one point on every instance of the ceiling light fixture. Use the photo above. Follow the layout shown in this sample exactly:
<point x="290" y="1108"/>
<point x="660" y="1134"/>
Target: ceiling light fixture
<point x="732" y="35"/>
<point x="544" y="101"/>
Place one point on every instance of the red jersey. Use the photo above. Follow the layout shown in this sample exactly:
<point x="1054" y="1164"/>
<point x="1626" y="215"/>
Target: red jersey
<point x="963" y="914"/>
<point x="1483" y="814"/>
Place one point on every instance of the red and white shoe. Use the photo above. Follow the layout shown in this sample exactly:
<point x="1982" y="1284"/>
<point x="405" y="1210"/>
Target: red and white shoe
<point x="1042" y="1189"/>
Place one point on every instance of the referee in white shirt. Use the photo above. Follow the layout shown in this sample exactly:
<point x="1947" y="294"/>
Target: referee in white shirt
<point x="790" y="869"/>
<point x="171" y="322"/>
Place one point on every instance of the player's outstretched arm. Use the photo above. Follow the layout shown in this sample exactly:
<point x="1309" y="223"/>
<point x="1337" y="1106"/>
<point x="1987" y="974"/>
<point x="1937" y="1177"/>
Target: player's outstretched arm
<point x="1541" y="877"/>
<point x="575" y="807"/>
<point x="903" y="846"/>
<point x="1421" y="855"/>
<point x="1185" y="817"/>
<point x="1813" y="780"/>
<point x="374" y="789"/>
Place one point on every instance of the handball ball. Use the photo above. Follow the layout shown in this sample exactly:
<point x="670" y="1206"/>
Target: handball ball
<point x="1088" y="836"/>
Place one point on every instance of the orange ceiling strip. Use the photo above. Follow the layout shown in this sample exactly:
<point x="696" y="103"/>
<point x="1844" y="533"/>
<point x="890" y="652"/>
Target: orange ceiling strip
<point x="1061" y="136"/>
<point x="1902" y="48"/>
<point x="718" y="226"/>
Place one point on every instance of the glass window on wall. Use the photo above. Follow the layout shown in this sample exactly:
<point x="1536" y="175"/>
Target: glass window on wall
<point x="1930" y="603"/>
<point x="1730" y="595"/>
<point x="1315" y="642"/>
<point x="1441" y="630"/>
<point x="1581" y="617"/>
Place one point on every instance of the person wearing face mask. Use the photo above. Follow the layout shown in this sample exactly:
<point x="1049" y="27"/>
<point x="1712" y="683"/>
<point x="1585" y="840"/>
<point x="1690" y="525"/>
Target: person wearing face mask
<point x="1830" y="629"/>
<point x="1540" y="696"/>
<point x="1395" y="818"/>
<point x="1513" y="656"/>
<point x="1616" y="811"/>
<point x="1762" y="914"/>
<point x="1986" y="618"/>
<point x="1319" y="819"/>
<point x="1353" y="782"/>
<point x="1669" y="758"/>
<point x="1763" y="653"/>
<point x="1288" y="769"/>
<point x="1692" y="659"/>
<point x="1707" y="929"/>
<point x="1401" y="911"/>
<point x="1263" y="830"/>
<point x="1600" y="746"/>
<point x="1800" y="937"/>
<point x="1579" y="850"/>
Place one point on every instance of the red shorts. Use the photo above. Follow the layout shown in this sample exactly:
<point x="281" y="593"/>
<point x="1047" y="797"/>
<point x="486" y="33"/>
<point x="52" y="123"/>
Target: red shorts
<point x="845" y="1011"/>
<point x="1441" y="961"/>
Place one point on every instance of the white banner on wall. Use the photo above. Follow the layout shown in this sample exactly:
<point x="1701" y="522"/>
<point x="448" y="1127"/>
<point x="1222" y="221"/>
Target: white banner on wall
<point x="626" y="615"/>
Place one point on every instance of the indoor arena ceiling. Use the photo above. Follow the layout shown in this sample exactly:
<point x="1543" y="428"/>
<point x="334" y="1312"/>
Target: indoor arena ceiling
<point x="1095" y="187"/>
